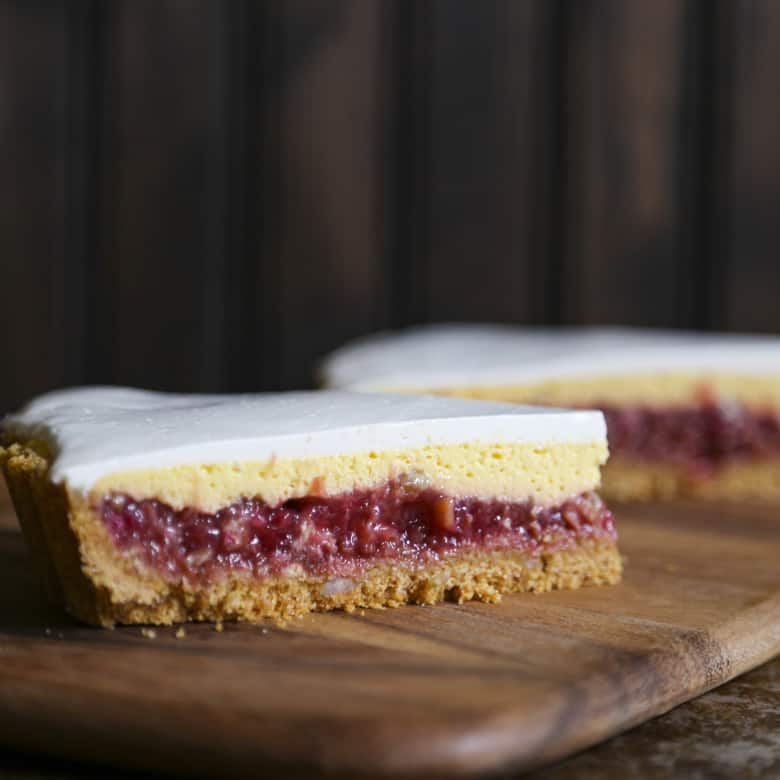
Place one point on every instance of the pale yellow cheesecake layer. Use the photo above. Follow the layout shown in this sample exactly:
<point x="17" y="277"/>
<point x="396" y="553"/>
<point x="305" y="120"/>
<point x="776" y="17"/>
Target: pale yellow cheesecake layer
<point x="666" y="389"/>
<point x="547" y="474"/>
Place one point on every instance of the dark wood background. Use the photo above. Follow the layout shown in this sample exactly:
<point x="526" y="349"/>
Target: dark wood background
<point x="201" y="195"/>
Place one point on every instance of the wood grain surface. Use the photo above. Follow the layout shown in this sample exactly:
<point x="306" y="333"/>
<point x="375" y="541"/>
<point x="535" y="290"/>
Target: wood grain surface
<point x="441" y="690"/>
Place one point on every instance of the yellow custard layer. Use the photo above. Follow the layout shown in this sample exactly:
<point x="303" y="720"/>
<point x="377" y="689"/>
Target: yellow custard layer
<point x="547" y="474"/>
<point x="665" y="389"/>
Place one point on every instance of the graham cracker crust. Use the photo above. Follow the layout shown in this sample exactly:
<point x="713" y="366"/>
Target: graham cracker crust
<point x="102" y="586"/>
<point x="628" y="480"/>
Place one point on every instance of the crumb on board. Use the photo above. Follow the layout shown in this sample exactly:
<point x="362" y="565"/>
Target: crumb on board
<point x="218" y="627"/>
<point x="181" y="632"/>
<point x="362" y="613"/>
<point x="149" y="633"/>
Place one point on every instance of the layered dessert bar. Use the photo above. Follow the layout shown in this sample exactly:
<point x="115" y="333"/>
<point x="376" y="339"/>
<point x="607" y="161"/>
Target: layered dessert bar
<point x="157" y="508"/>
<point x="688" y="414"/>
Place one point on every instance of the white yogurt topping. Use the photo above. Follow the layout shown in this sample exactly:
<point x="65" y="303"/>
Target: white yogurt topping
<point x="102" y="430"/>
<point x="452" y="355"/>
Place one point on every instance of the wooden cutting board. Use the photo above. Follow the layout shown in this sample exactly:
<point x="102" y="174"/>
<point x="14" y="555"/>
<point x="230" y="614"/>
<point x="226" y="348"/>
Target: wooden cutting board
<point x="426" y="690"/>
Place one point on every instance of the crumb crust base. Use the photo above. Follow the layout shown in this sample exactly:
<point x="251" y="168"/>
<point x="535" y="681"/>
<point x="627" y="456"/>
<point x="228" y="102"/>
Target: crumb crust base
<point x="625" y="479"/>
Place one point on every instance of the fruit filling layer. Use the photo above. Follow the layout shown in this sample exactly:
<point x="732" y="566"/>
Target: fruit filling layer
<point x="339" y="535"/>
<point x="702" y="437"/>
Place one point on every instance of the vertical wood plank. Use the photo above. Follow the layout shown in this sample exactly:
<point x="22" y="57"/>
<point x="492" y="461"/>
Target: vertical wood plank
<point x="751" y="285"/>
<point x="159" y="302"/>
<point x="625" y="156"/>
<point x="407" y="160"/>
<point x="33" y="149"/>
<point x="321" y="161"/>
<point x="488" y="137"/>
<point x="82" y="195"/>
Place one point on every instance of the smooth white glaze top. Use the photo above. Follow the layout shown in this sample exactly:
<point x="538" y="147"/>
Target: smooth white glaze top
<point x="96" y="431"/>
<point x="451" y="355"/>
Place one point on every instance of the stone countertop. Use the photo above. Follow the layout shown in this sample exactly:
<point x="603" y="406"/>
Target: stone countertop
<point x="733" y="731"/>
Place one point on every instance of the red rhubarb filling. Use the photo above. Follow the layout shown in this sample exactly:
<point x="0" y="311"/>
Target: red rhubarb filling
<point x="701" y="437"/>
<point x="339" y="535"/>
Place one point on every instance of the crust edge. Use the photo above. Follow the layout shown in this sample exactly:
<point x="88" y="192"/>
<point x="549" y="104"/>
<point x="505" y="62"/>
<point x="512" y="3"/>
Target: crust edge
<point x="624" y="479"/>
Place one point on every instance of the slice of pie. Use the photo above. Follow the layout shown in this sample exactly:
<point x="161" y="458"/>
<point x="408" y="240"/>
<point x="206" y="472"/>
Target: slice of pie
<point x="690" y="414"/>
<point x="157" y="508"/>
